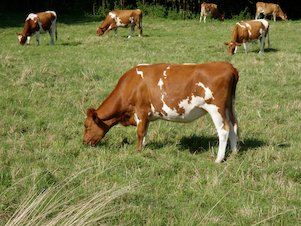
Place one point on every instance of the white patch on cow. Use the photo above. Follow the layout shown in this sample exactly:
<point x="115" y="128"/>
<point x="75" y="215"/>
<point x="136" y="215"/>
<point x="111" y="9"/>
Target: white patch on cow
<point x="118" y="22"/>
<point x="143" y="64"/>
<point x="160" y="83"/>
<point x="32" y="16"/>
<point x="153" y="114"/>
<point x="208" y="92"/>
<point x="171" y="114"/>
<point x="165" y="72"/>
<point x="131" y="19"/>
<point x="264" y="22"/>
<point x="19" y="37"/>
<point x="260" y="31"/>
<point x="52" y="12"/>
<point x="136" y="118"/>
<point x="113" y="15"/>
<point x="249" y="28"/>
<point x="139" y="72"/>
<point x="192" y="108"/>
<point x="241" y="25"/>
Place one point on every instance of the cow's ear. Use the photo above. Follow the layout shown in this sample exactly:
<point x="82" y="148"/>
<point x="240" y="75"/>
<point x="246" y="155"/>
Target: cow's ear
<point x="90" y="112"/>
<point x="226" y="43"/>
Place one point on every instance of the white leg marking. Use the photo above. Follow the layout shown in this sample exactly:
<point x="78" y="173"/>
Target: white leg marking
<point x="232" y="134"/>
<point x="245" y="47"/>
<point x="222" y="133"/>
<point x="262" y="43"/>
<point x="28" y="40"/>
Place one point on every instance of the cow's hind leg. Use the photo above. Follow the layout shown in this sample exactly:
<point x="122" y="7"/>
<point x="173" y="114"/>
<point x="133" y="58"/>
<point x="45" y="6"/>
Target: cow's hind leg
<point x="233" y="133"/>
<point x="262" y="41"/>
<point x="222" y="127"/>
<point x="51" y="33"/>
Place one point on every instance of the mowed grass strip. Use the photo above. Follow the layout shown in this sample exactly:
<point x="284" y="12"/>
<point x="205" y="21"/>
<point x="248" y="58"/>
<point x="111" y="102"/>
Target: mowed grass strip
<point x="46" y="90"/>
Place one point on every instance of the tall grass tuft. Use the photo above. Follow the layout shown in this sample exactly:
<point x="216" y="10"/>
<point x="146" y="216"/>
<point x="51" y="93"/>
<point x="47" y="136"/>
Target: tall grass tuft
<point x="63" y="204"/>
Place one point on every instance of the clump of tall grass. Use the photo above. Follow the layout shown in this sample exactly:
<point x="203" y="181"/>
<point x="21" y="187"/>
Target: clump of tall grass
<point x="64" y="204"/>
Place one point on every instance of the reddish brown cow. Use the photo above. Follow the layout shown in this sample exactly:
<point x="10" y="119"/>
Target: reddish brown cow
<point x="121" y="18"/>
<point x="173" y="92"/>
<point x="269" y="9"/>
<point x="37" y="23"/>
<point x="246" y="31"/>
<point x="210" y="9"/>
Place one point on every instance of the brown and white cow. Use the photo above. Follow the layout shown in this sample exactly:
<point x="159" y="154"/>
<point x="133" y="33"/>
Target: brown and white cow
<point x="246" y="31"/>
<point x="269" y="9"/>
<point x="173" y="92"/>
<point x="121" y="18"/>
<point x="210" y="9"/>
<point x="36" y="23"/>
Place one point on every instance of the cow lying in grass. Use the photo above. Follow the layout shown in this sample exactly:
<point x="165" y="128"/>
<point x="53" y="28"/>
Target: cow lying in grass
<point x="210" y="9"/>
<point x="121" y="18"/>
<point x="269" y="9"/>
<point x="173" y="92"/>
<point x="37" y="23"/>
<point x="246" y="31"/>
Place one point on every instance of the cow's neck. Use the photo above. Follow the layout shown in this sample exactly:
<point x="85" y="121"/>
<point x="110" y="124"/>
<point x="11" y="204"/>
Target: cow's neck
<point x="235" y="35"/>
<point x="110" y="110"/>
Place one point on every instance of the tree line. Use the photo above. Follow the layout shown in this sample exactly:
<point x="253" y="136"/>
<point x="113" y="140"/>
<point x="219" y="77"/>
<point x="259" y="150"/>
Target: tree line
<point x="184" y="7"/>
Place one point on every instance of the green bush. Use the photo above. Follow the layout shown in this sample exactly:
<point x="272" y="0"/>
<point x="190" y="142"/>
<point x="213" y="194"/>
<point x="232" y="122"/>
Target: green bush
<point x="243" y="15"/>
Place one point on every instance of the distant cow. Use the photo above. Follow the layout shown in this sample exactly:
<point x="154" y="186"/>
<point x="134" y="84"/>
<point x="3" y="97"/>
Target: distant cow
<point x="269" y="9"/>
<point x="36" y="23"/>
<point x="246" y="31"/>
<point x="121" y="18"/>
<point x="173" y="92"/>
<point x="210" y="9"/>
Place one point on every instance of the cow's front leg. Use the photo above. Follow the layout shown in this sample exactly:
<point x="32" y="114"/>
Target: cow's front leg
<point x="38" y="37"/>
<point x="142" y="126"/>
<point x="132" y="31"/>
<point x="112" y="27"/>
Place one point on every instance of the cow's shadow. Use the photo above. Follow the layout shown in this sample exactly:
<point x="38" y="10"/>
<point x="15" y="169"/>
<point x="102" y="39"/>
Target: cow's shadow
<point x="196" y="144"/>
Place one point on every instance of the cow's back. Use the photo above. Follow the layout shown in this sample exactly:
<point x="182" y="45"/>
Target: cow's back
<point x="172" y="82"/>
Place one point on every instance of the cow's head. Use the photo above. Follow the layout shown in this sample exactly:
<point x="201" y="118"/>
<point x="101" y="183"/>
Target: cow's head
<point x="22" y="39"/>
<point x="232" y="47"/>
<point x="100" y="31"/>
<point x="95" y="128"/>
<point x="283" y="16"/>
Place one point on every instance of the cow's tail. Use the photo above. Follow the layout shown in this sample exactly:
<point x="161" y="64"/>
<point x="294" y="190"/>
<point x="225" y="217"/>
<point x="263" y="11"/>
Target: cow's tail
<point x="234" y="83"/>
<point x="232" y="116"/>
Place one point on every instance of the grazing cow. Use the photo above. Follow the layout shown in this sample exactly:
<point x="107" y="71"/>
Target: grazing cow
<point x="36" y="23"/>
<point x="246" y="31"/>
<point x="121" y="18"/>
<point x="269" y="9"/>
<point x="173" y="92"/>
<point x="210" y="9"/>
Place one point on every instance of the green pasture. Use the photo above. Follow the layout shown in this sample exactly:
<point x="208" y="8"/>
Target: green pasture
<point x="48" y="177"/>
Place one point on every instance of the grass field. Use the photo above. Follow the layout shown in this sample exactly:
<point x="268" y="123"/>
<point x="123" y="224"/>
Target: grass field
<point x="47" y="177"/>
